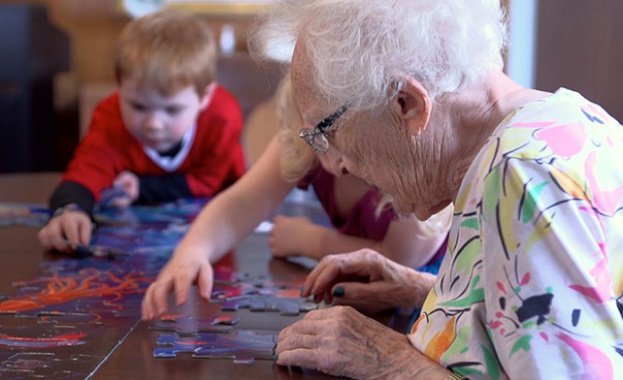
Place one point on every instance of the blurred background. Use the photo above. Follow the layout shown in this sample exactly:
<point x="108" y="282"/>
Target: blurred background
<point x="56" y="59"/>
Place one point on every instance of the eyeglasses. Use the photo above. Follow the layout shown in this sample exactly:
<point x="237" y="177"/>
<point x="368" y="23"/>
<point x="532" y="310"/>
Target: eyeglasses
<point x="316" y="137"/>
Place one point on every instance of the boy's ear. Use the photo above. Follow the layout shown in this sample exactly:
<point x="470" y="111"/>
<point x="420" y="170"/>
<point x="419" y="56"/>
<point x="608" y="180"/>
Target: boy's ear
<point x="413" y="105"/>
<point x="207" y="95"/>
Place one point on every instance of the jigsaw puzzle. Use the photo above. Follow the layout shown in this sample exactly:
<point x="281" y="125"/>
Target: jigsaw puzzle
<point x="258" y="302"/>
<point x="243" y="346"/>
<point x="186" y="325"/>
<point x="36" y="365"/>
<point x="15" y="341"/>
<point x="65" y="309"/>
<point x="262" y="293"/>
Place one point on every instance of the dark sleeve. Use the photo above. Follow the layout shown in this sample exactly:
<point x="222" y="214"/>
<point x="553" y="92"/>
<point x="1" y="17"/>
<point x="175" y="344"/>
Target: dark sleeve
<point x="72" y="192"/>
<point x="162" y="188"/>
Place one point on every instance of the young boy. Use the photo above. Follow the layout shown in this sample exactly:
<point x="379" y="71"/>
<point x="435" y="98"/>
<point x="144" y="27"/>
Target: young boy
<point x="168" y="132"/>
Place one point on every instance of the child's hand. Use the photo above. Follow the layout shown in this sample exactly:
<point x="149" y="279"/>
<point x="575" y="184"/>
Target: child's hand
<point x="187" y="266"/>
<point x="128" y="182"/>
<point x="289" y="236"/>
<point x="70" y="225"/>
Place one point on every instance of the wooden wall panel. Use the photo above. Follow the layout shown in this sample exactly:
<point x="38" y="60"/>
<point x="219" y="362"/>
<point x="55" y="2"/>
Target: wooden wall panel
<point x="580" y="47"/>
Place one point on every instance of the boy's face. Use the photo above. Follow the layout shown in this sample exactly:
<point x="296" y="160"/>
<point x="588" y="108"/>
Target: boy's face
<point x="158" y="121"/>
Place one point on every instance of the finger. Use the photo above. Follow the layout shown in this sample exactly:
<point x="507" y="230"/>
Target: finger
<point x="182" y="284"/>
<point x="57" y="238"/>
<point x="301" y="357"/>
<point x="43" y="237"/>
<point x="70" y="226"/>
<point x="147" y="310"/>
<point x="320" y="278"/>
<point x="160" y="295"/>
<point x="85" y="228"/>
<point x="310" y="280"/>
<point x="205" y="281"/>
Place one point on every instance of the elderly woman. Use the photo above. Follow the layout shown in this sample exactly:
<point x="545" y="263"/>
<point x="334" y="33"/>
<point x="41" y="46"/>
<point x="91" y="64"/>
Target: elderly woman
<point x="410" y="95"/>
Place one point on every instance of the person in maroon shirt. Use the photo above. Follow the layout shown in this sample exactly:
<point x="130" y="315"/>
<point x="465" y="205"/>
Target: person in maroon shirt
<point x="168" y="132"/>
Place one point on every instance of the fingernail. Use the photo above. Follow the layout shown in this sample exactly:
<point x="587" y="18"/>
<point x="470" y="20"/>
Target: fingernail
<point x="275" y="356"/>
<point x="338" y="292"/>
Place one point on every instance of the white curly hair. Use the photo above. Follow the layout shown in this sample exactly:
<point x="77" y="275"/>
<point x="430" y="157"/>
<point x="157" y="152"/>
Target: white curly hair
<point x="360" y="49"/>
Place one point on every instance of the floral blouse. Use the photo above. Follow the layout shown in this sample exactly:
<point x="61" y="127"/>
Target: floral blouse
<point x="529" y="286"/>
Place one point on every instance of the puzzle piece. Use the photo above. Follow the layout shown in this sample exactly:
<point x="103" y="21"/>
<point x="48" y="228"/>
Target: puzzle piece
<point x="259" y="302"/>
<point x="243" y="346"/>
<point x="40" y="365"/>
<point x="186" y="325"/>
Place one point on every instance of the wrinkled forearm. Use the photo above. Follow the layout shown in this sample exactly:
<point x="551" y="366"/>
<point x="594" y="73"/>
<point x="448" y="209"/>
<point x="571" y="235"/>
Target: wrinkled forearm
<point x="403" y="361"/>
<point x="413" y="287"/>
<point x="414" y="365"/>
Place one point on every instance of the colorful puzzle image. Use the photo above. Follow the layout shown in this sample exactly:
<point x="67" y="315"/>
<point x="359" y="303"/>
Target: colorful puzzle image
<point x="78" y="299"/>
<point x="65" y="310"/>
<point x="58" y="292"/>
<point x="34" y="365"/>
<point x="61" y="340"/>
<point x="243" y="346"/>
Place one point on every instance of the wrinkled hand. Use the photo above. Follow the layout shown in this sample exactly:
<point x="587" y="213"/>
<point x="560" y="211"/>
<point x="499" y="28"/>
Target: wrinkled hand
<point x="186" y="267"/>
<point x="288" y="235"/>
<point x="128" y="182"/>
<point x="72" y="226"/>
<point x="368" y="281"/>
<point x="342" y="342"/>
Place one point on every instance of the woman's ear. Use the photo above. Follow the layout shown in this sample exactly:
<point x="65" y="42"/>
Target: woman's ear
<point x="207" y="95"/>
<point x="413" y="105"/>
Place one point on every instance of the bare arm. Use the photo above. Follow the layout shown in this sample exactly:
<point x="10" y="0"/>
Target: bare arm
<point x="407" y="241"/>
<point x="235" y="212"/>
<point x="222" y="223"/>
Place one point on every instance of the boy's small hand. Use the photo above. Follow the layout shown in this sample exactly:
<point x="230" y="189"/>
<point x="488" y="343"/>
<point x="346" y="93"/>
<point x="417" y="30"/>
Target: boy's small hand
<point x="128" y="182"/>
<point x="73" y="226"/>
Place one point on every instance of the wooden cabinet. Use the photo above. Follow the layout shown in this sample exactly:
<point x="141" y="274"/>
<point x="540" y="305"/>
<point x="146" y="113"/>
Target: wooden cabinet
<point x="33" y="51"/>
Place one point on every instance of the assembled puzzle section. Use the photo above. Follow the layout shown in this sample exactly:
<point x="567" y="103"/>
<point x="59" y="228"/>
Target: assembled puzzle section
<point x="243" y="346"/>
<point x="260" y="293"/>
<point x="37" y="365"/>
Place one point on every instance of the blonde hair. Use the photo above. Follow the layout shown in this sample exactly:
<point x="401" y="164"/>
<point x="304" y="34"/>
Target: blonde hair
<point x="168" y="50"/>
<point x="296" y="158"/>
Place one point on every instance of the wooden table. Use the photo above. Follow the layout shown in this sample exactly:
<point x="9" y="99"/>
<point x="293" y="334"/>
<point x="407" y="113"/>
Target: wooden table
<point x="125" y="350"/>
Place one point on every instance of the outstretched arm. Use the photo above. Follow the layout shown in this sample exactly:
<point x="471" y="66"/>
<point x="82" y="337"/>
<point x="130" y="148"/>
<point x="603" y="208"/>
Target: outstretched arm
<point x="223" y="222"/>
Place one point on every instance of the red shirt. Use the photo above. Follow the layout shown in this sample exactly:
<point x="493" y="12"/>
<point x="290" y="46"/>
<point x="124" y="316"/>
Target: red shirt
<point x="215" y="160"/>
